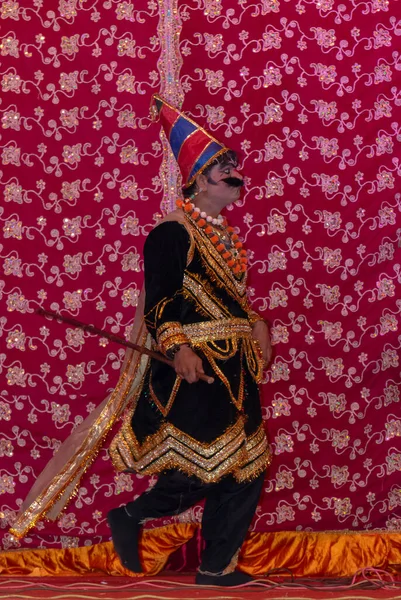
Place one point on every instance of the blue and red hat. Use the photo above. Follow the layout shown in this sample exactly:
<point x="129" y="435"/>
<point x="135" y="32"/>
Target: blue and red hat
<point x="193" y="147"/>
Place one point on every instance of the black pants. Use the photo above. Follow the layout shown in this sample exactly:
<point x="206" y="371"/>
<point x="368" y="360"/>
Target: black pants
<point x="229" y="509"/>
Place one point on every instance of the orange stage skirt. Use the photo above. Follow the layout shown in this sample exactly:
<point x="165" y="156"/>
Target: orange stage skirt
<point x="306" y="554"/>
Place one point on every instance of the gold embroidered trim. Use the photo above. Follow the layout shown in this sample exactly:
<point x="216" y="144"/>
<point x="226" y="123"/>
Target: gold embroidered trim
<point x="232" y="565"/>
<point x="254" y="359"/>
<point x="175" y="340"/>
<point x="254" y="317"/>
<point x="217" y="351"/>
<point x="254" y="469"/>
<point x="198" y="291"/>
<point x="219" y="329"/>
<point x="171" y="448"/>
<point x="165" y="409"/>
<point x="160" y="309"/>
<point x="236" y="401"/>
<point x="230" y="568"/>
<point x="168" y="327"/>
<point x="259" y="456"/>
<point x="207" y="163"/>
<point x="217" y="268"/>
<point x="155" y="313"/>
<point x="170" y="334"/>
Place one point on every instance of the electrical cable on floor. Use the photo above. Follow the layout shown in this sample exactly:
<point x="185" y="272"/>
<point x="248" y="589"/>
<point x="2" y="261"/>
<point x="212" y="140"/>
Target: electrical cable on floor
<point x="365" y="579"/>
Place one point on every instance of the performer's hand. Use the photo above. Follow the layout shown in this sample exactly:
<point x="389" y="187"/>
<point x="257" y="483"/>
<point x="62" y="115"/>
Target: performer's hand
<point x="260" y="332"/>
<point x="188" y="365"/>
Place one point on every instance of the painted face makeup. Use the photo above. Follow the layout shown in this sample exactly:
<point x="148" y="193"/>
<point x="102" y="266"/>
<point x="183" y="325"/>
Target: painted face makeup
<point x="235" y="182"/>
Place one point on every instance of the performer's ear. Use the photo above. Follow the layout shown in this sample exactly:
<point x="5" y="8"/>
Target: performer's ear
<point x="201" y="182"/>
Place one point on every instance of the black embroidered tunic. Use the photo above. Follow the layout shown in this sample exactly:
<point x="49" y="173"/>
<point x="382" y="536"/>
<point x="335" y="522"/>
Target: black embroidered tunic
<point x="207" y="430"/>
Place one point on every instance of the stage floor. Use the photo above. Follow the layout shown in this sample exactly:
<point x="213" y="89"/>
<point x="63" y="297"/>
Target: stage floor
<point x="181" y="586"/>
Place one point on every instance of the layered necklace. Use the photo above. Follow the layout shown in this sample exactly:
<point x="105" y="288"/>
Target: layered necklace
<point x="221" y="235"/>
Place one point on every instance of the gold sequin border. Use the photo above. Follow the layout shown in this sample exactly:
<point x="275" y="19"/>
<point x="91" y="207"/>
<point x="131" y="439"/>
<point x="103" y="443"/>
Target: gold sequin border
<point x="259" y="456"/>
<point x="171" y="334"/>
<point x="197" y="290"/>
<point x="218" y="329"/>
<point x="216" y="369"/>
<point x="171" y="448"/>
<point x="165" y="409"/>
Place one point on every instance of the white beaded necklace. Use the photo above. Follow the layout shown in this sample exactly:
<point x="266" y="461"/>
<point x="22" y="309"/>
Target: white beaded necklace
<point x="213" y="220"/>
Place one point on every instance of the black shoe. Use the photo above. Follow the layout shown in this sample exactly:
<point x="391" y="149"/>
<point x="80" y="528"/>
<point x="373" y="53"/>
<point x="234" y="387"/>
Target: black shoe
<point x="125" y="532"/>
<point x="229" y="580"/>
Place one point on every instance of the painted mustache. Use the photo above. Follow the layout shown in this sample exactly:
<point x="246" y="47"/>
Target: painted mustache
<point x="234" y="181"/>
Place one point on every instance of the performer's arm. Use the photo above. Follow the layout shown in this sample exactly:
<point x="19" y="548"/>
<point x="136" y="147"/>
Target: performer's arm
<point x="165" y="255"/>
<point x="260" y="332"/>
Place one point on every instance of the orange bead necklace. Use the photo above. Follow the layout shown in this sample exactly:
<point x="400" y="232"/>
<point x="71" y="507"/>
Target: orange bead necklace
<point x="233" y="252"/>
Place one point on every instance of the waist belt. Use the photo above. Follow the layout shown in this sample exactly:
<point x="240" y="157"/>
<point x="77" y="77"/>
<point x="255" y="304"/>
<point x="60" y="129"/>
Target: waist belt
<point x="220" y="329"/>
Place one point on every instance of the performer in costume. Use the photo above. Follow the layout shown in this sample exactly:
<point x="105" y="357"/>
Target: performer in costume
<point x="204" y="440"/>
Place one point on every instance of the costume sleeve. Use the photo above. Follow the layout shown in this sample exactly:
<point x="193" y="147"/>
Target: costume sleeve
<point x="165" y="255"/>
<point x="254" y="317"/>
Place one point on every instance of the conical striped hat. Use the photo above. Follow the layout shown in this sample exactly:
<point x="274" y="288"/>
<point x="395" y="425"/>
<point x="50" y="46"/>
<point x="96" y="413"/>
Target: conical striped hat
<point x="193" y="147"/>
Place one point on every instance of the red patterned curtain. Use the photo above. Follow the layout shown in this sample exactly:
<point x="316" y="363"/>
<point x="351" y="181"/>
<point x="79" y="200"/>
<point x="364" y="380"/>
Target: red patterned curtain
<point x="308" y="92"/>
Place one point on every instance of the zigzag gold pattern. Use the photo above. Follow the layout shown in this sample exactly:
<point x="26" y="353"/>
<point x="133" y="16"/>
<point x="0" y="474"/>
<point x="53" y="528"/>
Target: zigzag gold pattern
<point x="171" y="448"/>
